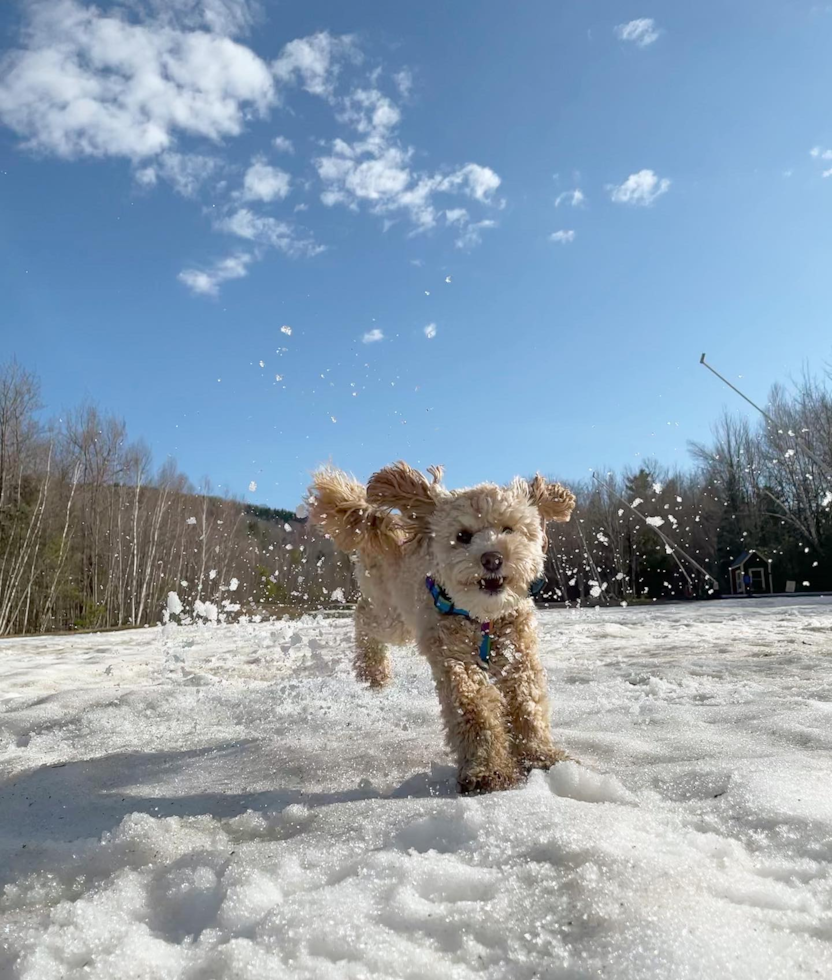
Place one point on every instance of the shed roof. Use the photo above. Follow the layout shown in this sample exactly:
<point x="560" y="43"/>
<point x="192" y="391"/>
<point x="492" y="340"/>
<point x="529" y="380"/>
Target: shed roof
<point x="743" y="558"/>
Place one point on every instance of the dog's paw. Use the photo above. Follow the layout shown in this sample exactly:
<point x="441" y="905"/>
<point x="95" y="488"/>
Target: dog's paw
<point x="544" y="759"/>
<point x="474" y="782"/>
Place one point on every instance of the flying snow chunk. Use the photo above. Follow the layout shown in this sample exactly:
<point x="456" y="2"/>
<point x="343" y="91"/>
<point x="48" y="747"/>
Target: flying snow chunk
<point x="332" y="418"/>
<point x="595" y="591"/>
<point x="430" y="331"/>
<point x="233" y="585"/>
<point x="278" y="377"/>
<point x="174" y="604"/>
<point x="447" y="278"/>
<point x="600" y="536"/>
<point x="262" y="364"/>
<point x="655" y="521"/>
<point x="637" y="501"/>
<point x="212" y="575"/>
<point x="206" y="610"/>
<point x="252" y="487"/>
<point x="338" y="595"/>
<point x="658" y="487"/>
<point x="286" y="330"/>
<point x="191" y="520"/>
<point x="301" y="511"/>
<point x="827" y="500"/>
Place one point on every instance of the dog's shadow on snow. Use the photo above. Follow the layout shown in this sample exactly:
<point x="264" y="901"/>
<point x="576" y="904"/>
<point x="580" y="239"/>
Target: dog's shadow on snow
<point x="87" y="798"/>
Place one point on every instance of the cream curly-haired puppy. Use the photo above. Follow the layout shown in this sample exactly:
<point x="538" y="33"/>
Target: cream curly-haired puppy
<point x="452" y="569"/>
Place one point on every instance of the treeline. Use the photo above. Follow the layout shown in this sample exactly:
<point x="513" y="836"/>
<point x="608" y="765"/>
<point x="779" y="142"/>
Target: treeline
<point x="760" y="486"/>
<point x="92" y="536"/>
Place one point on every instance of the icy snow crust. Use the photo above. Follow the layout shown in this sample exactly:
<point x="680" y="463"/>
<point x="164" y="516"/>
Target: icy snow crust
<point x="213" y="802"/>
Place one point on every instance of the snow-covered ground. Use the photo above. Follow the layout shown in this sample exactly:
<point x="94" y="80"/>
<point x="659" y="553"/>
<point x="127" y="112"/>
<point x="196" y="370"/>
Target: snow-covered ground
<point x="225" y="802"/>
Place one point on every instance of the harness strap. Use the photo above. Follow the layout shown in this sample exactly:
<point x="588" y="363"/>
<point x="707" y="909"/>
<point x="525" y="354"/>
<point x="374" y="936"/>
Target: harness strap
<point x="444" y="605"/>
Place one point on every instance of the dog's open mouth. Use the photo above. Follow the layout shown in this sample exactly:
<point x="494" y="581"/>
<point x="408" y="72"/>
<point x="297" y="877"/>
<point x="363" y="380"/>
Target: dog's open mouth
<point x="492" y="584"/>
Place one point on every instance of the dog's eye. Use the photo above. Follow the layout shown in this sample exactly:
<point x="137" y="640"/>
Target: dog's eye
<point x="464" y="537"/>
<point x="508" y="530"/>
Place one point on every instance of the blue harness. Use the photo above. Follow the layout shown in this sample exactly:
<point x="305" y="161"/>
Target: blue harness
<point x="445" y="605"/>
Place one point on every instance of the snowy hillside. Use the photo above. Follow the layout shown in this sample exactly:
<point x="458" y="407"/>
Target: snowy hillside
<point x="225" y="802"/>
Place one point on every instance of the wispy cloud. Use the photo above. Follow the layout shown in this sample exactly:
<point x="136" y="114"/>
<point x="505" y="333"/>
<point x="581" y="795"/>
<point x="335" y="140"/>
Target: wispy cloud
<point x="641" y="32"/>
<point x="185" y="172"/>
<point x="472" y="235"/>
<point x="574" y="198"/>
<point x="641" y="188"/>
<point x="228" y="17"/>
<point x="563" y="237"/>
<point x="376" y="170"/>
<point x="206" y="282"/>
<point x="265" y="183"/>
<point x="283" y="144"/>
<point x="372" y="336"/>
<point x="315" y="62"/>
<point x="266" y="230"/>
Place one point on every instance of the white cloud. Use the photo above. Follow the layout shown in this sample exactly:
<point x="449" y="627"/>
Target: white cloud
<point x="573" y="198"/>
<point x="473" y="233"/>
<point x="206" y="282"/>
<point x="228" y="17"/>
<point x="185" y="172"/>
<point x="372" y="336"/>
<point x="818" y="153"/>
<point x="370" y="112"/>
<point x="641" y="32"/>
<point x="265" y="183"/>
<point x="430" y="331"/>
<point x="376" y="170"/>
<point x="314" y="62"/>
<point x="475" y="181"/>
<point x="283" y="145"/>
<point x="564" y="236"/>
<point x="265" y="230"/>
<point x="404" y="82"/>
<point x="456" y="216"/>
<point x="827" y="173"/>
<point x="641" y="188"/>
<point x="92" y="83"/>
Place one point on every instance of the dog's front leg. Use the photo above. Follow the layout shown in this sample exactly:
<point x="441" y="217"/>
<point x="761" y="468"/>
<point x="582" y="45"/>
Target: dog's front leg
<point x="522" y="682"/>
<point x="474" y="715"/>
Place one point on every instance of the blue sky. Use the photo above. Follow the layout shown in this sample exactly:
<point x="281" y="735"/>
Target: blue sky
<point x="181" y="179"/>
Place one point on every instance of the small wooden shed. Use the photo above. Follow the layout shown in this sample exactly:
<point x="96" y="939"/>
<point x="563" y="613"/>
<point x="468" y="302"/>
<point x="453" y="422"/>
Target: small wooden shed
<point x="757" y="566"/>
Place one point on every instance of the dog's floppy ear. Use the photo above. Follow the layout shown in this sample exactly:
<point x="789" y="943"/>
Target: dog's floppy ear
<point x="404" y="488"/>
<point x="553" y="500"/>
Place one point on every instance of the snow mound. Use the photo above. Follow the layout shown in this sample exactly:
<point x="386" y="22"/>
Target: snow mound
<point x="573" y="781"/>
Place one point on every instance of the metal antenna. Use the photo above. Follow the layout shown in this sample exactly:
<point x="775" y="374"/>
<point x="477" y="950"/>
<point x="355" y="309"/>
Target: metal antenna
<point x="670" y="545"/>
<point x="823" y="467"/>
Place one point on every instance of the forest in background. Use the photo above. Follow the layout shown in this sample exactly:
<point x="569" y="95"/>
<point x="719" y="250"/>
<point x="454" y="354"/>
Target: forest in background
<point x="92" y="536"/>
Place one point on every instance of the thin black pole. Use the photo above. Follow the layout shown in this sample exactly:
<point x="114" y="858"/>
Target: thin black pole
<point x="815" y="459"/>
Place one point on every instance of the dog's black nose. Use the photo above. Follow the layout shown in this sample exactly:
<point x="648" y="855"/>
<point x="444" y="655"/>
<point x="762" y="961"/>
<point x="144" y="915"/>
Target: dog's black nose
<point x="492" y="561"/>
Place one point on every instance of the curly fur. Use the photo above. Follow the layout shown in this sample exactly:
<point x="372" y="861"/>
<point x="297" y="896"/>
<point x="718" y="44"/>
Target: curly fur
<point x="401" y="528"/>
